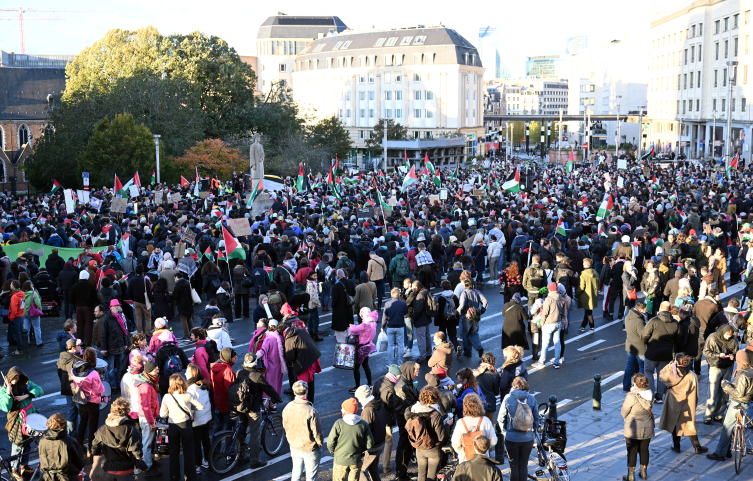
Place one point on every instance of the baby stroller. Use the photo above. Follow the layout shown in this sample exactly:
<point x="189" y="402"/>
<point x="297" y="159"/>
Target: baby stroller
<point x="48" y="294"/>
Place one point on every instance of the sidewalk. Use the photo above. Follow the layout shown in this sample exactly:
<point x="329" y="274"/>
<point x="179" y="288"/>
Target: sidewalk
<point x="596" y="444"/>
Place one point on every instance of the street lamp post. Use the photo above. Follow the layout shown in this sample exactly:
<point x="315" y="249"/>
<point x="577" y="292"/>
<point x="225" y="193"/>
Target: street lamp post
<point x="713" y="135"/>
<point x="619" y="131"/>
<point x="731" y="68"/>
<point x="640" y="132"/>
<point x="156" y="148"/>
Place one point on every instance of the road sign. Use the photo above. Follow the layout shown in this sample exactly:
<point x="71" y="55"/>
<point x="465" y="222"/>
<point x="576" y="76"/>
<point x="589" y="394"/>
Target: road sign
<point x="585" y="145"/>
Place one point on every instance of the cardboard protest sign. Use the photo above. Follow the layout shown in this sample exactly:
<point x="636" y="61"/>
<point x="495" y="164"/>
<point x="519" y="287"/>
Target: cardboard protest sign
<point x="119" y="205"/>
<point x="240" y="226"/>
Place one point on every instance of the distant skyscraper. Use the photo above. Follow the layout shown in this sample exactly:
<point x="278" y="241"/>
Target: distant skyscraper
<point x="576" y="45"/>
<point x="488" y="48"/>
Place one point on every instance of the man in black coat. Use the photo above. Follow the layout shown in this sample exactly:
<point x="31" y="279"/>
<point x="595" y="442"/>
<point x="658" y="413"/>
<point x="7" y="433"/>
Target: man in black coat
<point x="168" y="350"/>
<point x="662" y="335"/>
<point x="301" y="353"/>
<point x="184" y="301"/>
<point x="635" y="321"/>
<point x="54" y="264"/>
<point x="480" y="467"/>
<point x="139" y="290"/>
<point x="61" y="456"/>
<point x="375" y="415"/>
<point x="113" y="340"/>
<point x="407" y="394"/>
<point x="119" y="441"/>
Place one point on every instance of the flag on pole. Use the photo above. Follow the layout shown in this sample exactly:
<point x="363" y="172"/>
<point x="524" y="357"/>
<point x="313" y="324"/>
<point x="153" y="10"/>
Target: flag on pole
<point x="255" y="193"/>
<point x="427" y="163"/>
<point x="332" y="186"/>
<point x="154" y="178"/>
<point x="299" y="180"/>
<point x="560" y="228"/>
<point x="601" y="230"/>
<point x="125" y="189"/>
<point x="353" y="180"/>
<point x="513" y="185"/>
<point x="605" y="208"/>
<point x="216" y="214"/>
<point x="233" y="248"/>
<point x="411" y="178"/>
<point x="183" y="181"/>
<point x="136" y="180"/>
<point x="208" y="254"/>
<point x="123" y="244"/>
<point x="437" y="179"/>
<point x="336" y="161"/>
<point x="570" y="162"/>
<point x="649" y="155"/>
<point x="196" y="187"/>
<point x="56" y="186"/>
<point x="732" y="165"/>
<point x="118" y="186"/>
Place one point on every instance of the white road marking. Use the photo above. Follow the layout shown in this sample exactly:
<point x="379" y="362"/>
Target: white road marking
<point x="563" y="402"/>
<point x="588" y="346"/>
<point x="613" y="377"/>
<point x="49" y="362"/>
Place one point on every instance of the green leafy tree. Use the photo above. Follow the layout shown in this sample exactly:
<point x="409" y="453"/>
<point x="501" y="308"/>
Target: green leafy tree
<point x="395" y="131"/>
<point x="117" y="146"/>
<point x="330" y="134"/>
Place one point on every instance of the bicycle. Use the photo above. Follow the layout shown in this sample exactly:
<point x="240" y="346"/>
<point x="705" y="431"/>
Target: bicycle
<point x="448" y="470"/>
<point x="36" y="474"/>
<point x="739" y="447"/>
<point x="550" y="438"/>
<point x="231" y="446"/>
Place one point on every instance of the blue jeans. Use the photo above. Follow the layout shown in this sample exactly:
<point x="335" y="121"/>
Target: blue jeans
<point x="326" y="296"/>
<point x="114" y="361"/>
<point x="147" y="439"/>
<point x="222" y="422"/>
<point x="715" y="402"/>
<point x="632" y="361"/>
<point x="309" y="460"/>
<point x="313" y="324"/>
<point x="33" y="321"/>
<point x="14" y="450"/>
<point x="408" y="334"/>
<point x="72" y="415"/>
<point x="725" y="436"/>
<point x="14" y="327"/>
<point x="480" y="277"/>
<point x="553" y="331"/>
<point x="395" y="342"/>
<point x="470" y="336"/>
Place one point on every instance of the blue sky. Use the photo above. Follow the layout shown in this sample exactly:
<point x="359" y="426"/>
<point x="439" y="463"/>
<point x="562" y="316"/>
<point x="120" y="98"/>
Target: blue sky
<point x="527" y="28"/>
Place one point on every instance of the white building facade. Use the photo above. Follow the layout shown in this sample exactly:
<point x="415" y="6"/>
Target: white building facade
<point x="695" y="51"/>
<point x="429" y="79"/>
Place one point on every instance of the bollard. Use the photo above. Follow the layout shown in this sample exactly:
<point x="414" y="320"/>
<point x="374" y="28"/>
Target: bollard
<point x="597" y="392"/>
<point x="552" y="413"/>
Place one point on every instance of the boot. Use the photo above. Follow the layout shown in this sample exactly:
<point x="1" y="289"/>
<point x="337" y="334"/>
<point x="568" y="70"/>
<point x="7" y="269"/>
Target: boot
<point x="630" y="476"/>
<point x="644" y="472"/>
<point x="697" y="445"/>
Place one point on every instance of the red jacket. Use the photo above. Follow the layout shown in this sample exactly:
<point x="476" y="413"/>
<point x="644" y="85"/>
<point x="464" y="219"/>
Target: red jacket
<point x="146" y="403"/>
<point x="201" y="359"/>
<point x="222" y="377"/>
<point x="17" y="304"/>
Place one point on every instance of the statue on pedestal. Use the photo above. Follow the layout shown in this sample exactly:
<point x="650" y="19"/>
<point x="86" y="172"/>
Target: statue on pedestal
<point x="256" y="155"/>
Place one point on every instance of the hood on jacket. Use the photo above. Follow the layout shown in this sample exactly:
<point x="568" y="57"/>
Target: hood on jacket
<point x="665" y="317"/>
<point x="519" y="395"/>
<point x="16" y="372"/>
<point x="113" y="420"/>
<point x="407" y="371"/>
<point x="53" y="434"/>
<point x="351" y="419"/>
<point x="82" y="369"/>
<point x="724" y="328"/>
<point x="419" y="408"/>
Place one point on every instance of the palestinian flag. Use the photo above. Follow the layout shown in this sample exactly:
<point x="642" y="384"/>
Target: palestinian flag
<point x="428" y="165"/>
<point x="649" y="155"/>
<point x="125" y="189"/>
<point x="154" y="178"/>
<point x="233" y="248"/>
<point x="570" y="162"/>
<point x="299" y="180"/>
<point x="353" y="180"/>
<point x="601" y="230"/>
<point x="673" y="196"/>
<point x="216" y="214"/>
<point x="208" y="254"/>
<point x="411" y="178"/>
<point x="183" y="181"/>
<point x="332" y="186"/>
<point x="732" y="165"/>
<point x="655" y="183"/>
<point x="118" y="186"/>
<point x="255" y="193"/>
<point x="221" y="256"/>
<point x="136" y="180"/>
<point x="437" y="179"/>
<point x="55" y="187"/>
<point x="606" y="207"/>
<point x="196" y="187"/>
<point x="336" y="161"/>
<point x="561" y="228"/>
<point x="513" y="185"/>
<point x="123" y="244"/>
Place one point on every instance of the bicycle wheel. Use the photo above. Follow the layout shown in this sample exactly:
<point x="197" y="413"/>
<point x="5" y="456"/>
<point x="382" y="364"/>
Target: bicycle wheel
<point x="738" y="446"/>
<point x="558" y="469"/>
<point x="272" y="435"/>
<point x="224" y="454"/>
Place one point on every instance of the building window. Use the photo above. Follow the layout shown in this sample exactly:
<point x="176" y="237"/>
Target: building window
<point x="283" y="67"/>
<point x="691" y="79"/>
<point x="398" y="113"/>
<point x="379" y="42"/>
<point x="360" y="134"/>
<point x="362" y="113"/>
<point x="700" y="51"/>
<point x="698" y="77"/>
<point x="716" y="76"/>
<point x="713" y="105"/>
<point x="726" y="24"/>
<point x="686" y="58"/>
<point x="419" y="40"/>
<point x="429" y="95"/>
<point x="724" y="77"/>
<point x="416" y="77"/>
<point x="387" y="77"/>
<point x="362" y="95"/>
<point x="735" y="20"/>
<point x="726" y="48"/>
<point x="697" y="105"/>
<point x="371" y="95"/>
<point x="716" y="51"/>
<point x="24" y="136"/>
<point x="388" y="113"/>
<point x="429" y="114"/>
<point x="685" y="81"/>
<point x="329" y="62"/>
<point x="417" y="113"/>
<point x="716" y="26"/>
<point x="406" y="41"/>
<point x="417" y="95"/>
<point x="340" y="114"/>
<point x="683" y="106"/>
<point x="743" y="104"/>
<point x="732" y="104"/>
<point x="398" y="78"/>
<point x="734" y="47"/>
<point x="371" y="113"/>
<point x="398" y="95"/>
<point x="700" y="29"/>
<point x="388" y="95"/>
<point x="371" y="78"/>
<point x="745" y="75"/>
<point x="724" y="105"/>
<point x="346" y="45"/>
<point x="391" y="42"/>
<point x="692" y="31"/>
<point x="362" y="79"/>
<point x="388" y="60"/>
<point x="348" y="113"/>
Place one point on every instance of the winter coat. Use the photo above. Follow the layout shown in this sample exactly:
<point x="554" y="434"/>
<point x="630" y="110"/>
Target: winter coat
<point x="488" y="383"/>
<point x="514" y="325"/>
<point x="466" y="391"/>
<point x="705" y="310"/>
<point x="375" y="416"/>
<point x="508" y="374"/>
<point x="83" y="294"/>
<point x="466" y="425"/>
<point x="86" y="378"/>
<point x="160" y="359"/>
<point x="741" y="389"/>
<point x="405" y="392"/>
<point x="202" y="416"/>
<point x="507" y="413"/>
<point x="553" y="310"/>
<point x="258" y="386"/>
<point x="636" y="409"/>
<point x="443" y="356"/>
<point x="634" y="325"/>
<point x="182" y="297"/>
<point x="67" y="278"/>
<point x="64" y="365"/>
<point x="297" y="414"/>
<point x="480" y="468"/>
<point x="420" y="307"/>
<point x="366" y="296"/>
<point x="690" y="327"/>
<point x="342" y="314"/>
<point x="119" y="441"/>
<point x="301" y="352"/>
<point x="111" y="336"/>
<point x="661" y="335"/>
<point x="442" y="299"/>
<point x="680" y="401"/>
<point x="239" y="272"/>
<point x="432" y="420"/>
<point x="717" y="345"/>
<point x="61" y="457"/>
<point x="176" y="406"/>
<point x="349" y="438"/>
<point x="587" y="290"/>
<point x="222" y="377"/>
<point x="54" y="264"/>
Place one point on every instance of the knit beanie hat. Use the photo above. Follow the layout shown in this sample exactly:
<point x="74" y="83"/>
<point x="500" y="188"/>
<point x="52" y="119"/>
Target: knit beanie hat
<point x="149" y="367"/>
<point x="350" y="406"/>
<point x="227" y="354"/>
<point x="552" y="287"/>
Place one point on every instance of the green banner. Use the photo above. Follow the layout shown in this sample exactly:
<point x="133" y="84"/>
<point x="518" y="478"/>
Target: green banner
<point x="15" y="250"/>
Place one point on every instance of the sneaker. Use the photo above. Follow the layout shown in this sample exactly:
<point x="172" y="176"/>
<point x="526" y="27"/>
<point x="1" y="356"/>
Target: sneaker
<point x="408" y="355"/>
<point x="205" y="464"/>
<point x="556" y="366"/>
<point x="661" y="401"/>
<point x="592" y="330"/>
<point x="16" y="353"/>
<point x="352" y="390"/>
<point x="152" y="472"/>
<point x="198" y="469"/>
<point x="581" y="329"/>
<point x="537" y="365"/>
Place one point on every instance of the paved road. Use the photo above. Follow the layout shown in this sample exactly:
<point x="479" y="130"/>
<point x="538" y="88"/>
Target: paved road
<point x="600" y="352"/>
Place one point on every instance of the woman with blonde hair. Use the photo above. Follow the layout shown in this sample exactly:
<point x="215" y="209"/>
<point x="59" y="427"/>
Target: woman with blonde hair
<point x="198" y="387"/>
<point x="180" y="407"/>
<point x="474" y="419"/>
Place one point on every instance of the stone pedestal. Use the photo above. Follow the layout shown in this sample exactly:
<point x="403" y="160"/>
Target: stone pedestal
<point x="262" y="204"/>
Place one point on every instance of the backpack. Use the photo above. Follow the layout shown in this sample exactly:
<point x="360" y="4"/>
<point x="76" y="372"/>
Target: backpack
<point x="239" y="395"/>
<point x="321" y="274"/>
<point x="431" y="309"/>
<point x="537" y="279"/>
<point x="466" y="440"/>
<point x="419" y="433"/>
<point x="448" y="311"/>
<point x="213" y="354"/>
<point x="172" y="365"/>
<point x="402" y="268"/>
<point x="275" y="305"/>
<point x="523" y="418"/>
<point x="350" y="265"/>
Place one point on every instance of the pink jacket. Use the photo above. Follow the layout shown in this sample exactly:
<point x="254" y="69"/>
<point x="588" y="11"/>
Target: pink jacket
<point x="146" y="403"/>
<point x="91" y="384"/>
<point x="155" y="343"/>
<point x="201" y="359"/>
<point x="365" y="332"/>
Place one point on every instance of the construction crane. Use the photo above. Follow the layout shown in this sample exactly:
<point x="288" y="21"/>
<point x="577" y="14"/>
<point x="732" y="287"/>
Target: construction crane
<point x="21" y="11"/>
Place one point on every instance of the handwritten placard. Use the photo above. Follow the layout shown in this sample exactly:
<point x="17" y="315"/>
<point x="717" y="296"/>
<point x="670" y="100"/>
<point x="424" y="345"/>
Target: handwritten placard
<point x="119" y="205"/>
<point x="240" y="226"/>
<point x="158" y="197"/>
<point x="189" y="236"/>
<point x="479" y="192"/>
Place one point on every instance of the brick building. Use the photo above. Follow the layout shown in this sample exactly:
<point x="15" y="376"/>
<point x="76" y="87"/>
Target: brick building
<point x="30" y="85"/>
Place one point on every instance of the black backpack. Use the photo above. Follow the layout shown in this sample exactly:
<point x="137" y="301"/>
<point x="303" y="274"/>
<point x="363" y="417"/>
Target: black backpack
<point x="172" y="365"/>
<point x="240" y="396"/>
<point x="213" y="354"/>
<point x="449" y="311"/>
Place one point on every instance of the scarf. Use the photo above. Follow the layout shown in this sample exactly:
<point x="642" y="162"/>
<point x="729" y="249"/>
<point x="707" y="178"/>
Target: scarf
<point x="510" y="361"/>
<point x="392" y="378"/>
<point x="120" y="320"/>
<point x="644" y="393"/>
<point x="483" y="367"/>
<point x="198" y="380"/>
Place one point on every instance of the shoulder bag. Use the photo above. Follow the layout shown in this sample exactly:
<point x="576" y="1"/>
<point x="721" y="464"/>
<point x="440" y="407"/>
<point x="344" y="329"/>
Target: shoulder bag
<point x="182" y="408"/>
<point x="146" y="295"/>
<point x="34" y="311"/>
